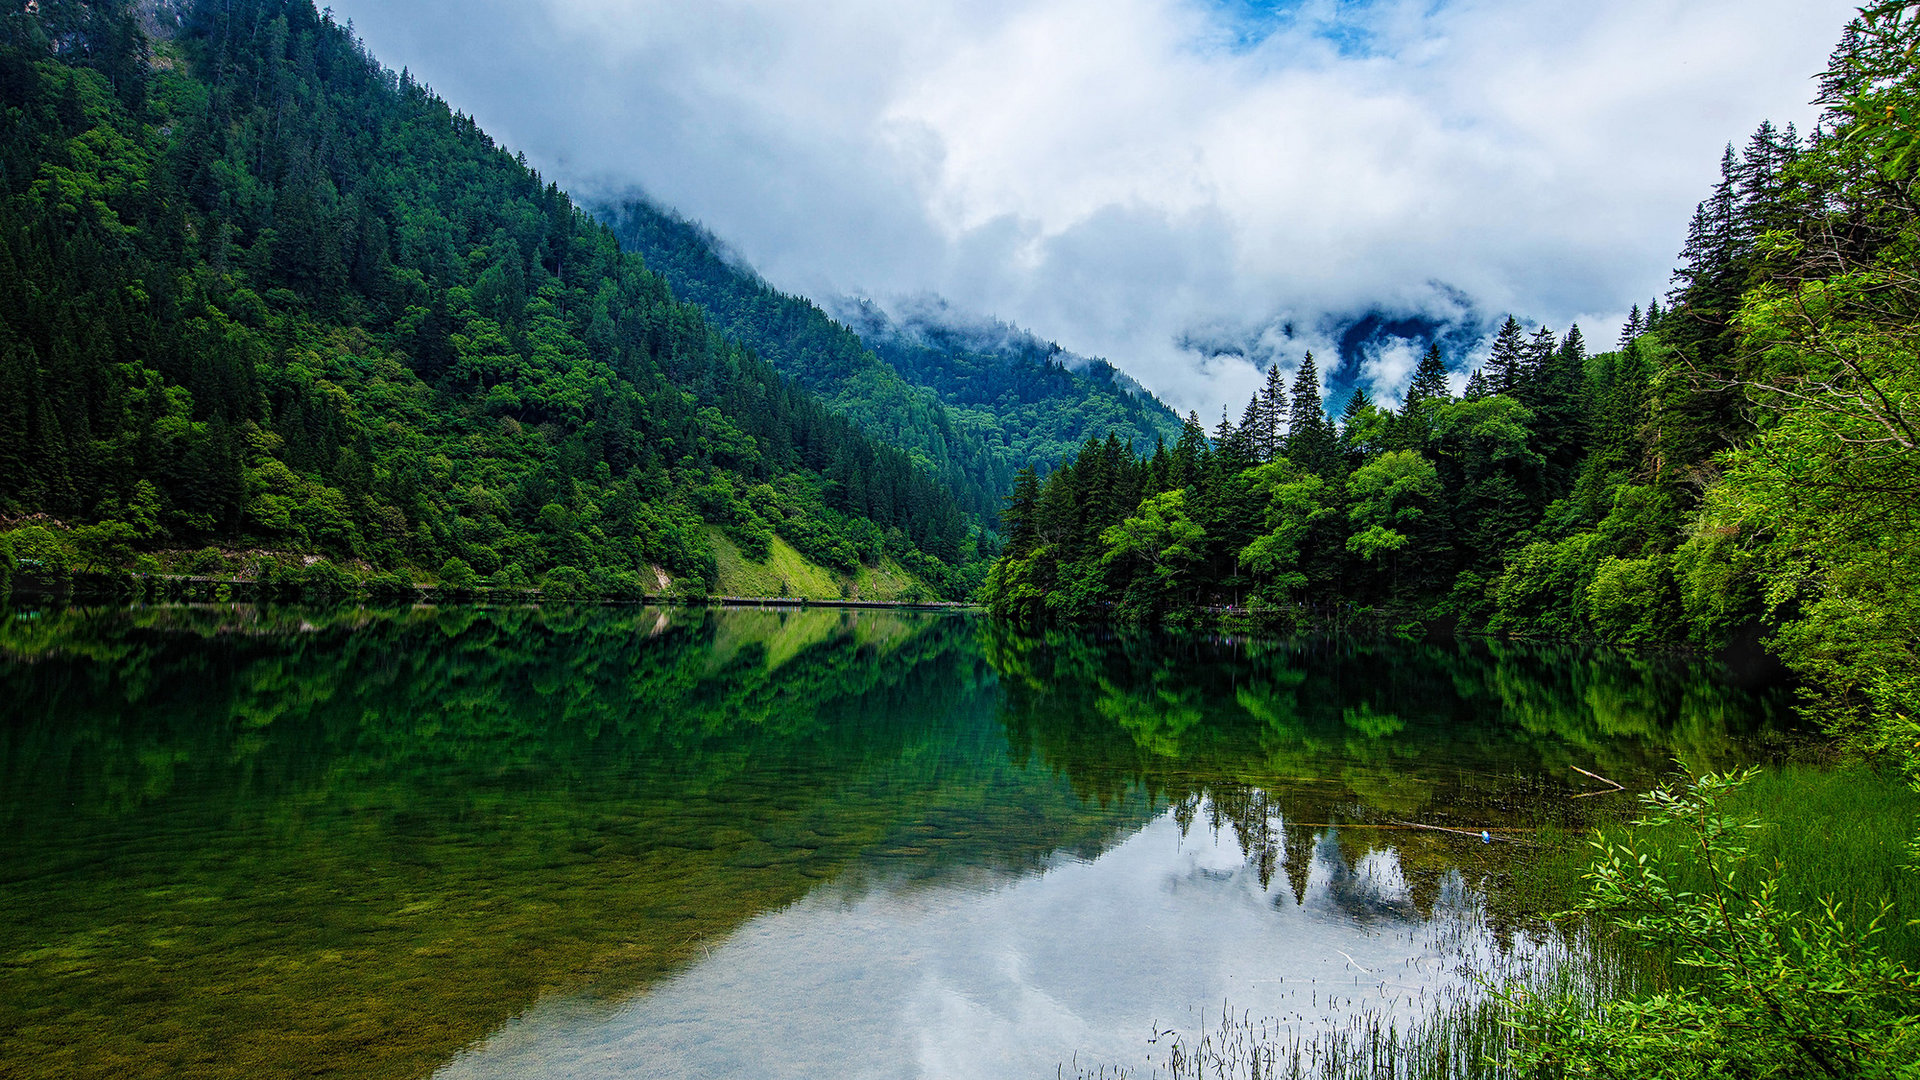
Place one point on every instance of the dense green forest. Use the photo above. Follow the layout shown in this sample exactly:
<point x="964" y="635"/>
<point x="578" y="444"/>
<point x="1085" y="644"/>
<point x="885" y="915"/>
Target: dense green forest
<point x="1744" y="462"/>
<point x="971" y="414"/>
<point x="270" y="300"/>
<point x="1038" y="401"/>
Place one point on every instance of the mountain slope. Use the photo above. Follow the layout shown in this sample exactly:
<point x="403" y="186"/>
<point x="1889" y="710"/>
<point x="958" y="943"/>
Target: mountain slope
<point x="1043" y="401"/>
<point x="264" y="293"/>
<point x="977" y="401"/>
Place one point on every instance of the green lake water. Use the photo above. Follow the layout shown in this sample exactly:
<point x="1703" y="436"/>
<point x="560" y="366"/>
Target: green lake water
<point x="263" y="842"/>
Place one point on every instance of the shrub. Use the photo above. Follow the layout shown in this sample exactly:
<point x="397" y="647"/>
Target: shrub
<point x="323" y="578"/>
<point x="625" y="586"/>
<point x="207" y="562"/>
<point x="40" y="557"/>
<point x="1543" y="589"/>
<point x="390" y="586"/>
<point x="1775" y="992"/>
<point x="1635" y="601"/>
<point x="455" y="574"/>
<point x="1719" y="585"/>
<point x="567" y="583"/>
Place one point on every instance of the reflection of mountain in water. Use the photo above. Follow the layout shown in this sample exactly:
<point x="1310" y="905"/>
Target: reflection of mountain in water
<point x="409" y="824"/>
<point x="239" y="839"/>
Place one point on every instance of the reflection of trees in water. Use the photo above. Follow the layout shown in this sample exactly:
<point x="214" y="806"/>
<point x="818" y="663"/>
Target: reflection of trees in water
<point x="568" y="791"/>
<point x="1361" y="876"/>
<point x="1397" y="726"/>
<point x="121" y="704"/>
<point x="416" y="821"/>
<point x="1281" y="742"/>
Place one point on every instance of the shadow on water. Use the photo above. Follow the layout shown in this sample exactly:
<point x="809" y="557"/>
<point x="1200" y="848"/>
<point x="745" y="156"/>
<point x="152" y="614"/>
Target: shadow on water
<point x="255" y="841"/>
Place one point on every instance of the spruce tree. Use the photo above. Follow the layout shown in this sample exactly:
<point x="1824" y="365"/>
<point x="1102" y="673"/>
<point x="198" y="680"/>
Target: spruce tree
<point x="1429" y="380"/>
<point x="1273" y="413"/>
<point x="1357" y="402"/>
<point x="1020" y="515"/>
<point x="1633" y="327"/>
<point x="1477" y="387"/>
<point x="1506" y="363"/>
<point x="1536" y="359"/>
<point x="1310" y="438"/>
<point x="1189" y="454"/>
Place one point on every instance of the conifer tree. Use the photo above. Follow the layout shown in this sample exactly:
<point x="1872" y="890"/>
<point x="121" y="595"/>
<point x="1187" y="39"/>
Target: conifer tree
<point x="1429" y="380"/>
<point x="1189" y="453"/>
<point x="1633" y="327"/>
<point x="1273" y="414"/>
<point x="1536" y="359"/>
<point x="1310" y="438"/>
<point x="1477" y="387"/>
<point x="1357" y="402"/>
<point x="1252" y="424"/>
<point x="1020" y="516"/>
<point x="1506" y="363"/>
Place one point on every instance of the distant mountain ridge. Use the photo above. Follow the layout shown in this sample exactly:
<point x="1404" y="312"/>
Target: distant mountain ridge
<point x="973" y="400"/>
<point x="1046" y="398"/>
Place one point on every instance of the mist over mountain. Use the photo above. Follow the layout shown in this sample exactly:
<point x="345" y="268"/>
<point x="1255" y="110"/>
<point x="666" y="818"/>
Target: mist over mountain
<point x="973" y="398"/>
<point x="1128" y="176"/>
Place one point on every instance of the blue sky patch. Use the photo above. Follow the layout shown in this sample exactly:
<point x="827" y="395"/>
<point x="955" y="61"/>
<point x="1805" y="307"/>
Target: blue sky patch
<point x="1250" y="22"/>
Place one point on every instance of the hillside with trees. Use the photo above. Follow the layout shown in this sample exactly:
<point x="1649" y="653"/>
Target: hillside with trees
<point x="270" y="301"/>
<point x="971" y="408"/>
<point x="1743" y="463"/>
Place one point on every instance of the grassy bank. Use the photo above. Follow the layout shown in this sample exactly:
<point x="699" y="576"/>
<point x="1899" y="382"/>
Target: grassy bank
<point x="1839" y="832"/>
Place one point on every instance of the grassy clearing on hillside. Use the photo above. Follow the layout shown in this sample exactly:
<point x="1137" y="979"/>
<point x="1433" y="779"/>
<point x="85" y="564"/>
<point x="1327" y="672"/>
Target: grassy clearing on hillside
<point x="789" y="573"/>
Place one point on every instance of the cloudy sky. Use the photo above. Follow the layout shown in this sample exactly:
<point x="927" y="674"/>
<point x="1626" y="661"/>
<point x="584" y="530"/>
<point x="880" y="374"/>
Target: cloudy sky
<point x="1187" y="187"/>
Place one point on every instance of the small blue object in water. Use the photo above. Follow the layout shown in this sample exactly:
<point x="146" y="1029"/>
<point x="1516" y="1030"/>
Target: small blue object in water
<point x="1486" y="837"/>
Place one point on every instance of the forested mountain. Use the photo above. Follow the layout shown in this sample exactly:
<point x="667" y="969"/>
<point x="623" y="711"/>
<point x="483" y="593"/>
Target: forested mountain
<point x="972" y="410"/>
<point x="263" y="293"/>
<point x="1744" y="461"/>
<point x="1040" y="401"/>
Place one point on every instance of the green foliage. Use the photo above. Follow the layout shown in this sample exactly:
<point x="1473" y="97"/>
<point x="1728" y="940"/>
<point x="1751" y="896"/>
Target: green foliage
<point x="1296" y="504"/>
<point x="1771" y="990"/>
<point x="1543" y="589"/>
<point x="1634" y="601"/>
<point x="40" y="556"/>
<point x="271" y="295"/>
<point x="975" y="407"/>
<point x="568" y="583"/>
<point x="1166" y="543"/>
<point x="456" y="574"/>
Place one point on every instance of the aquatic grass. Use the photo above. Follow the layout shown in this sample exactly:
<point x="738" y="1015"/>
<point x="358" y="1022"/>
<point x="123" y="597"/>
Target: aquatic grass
<point x="1835" y="832"/>
<point x="1462" y="1030"/>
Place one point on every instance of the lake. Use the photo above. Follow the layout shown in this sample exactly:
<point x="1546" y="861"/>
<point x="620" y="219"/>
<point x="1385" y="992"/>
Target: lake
<point x="460" y="842"/>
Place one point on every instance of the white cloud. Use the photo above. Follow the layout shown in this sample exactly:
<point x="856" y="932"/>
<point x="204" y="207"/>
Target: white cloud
<point x="1128" y="175"/>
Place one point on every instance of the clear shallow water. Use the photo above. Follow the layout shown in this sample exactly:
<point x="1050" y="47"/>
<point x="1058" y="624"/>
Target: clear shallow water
<point x="465" y="843"/>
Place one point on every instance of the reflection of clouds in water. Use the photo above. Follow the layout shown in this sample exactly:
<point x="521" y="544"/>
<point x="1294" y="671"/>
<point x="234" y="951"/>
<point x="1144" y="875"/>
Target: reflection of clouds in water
<point x="997" y="977"/>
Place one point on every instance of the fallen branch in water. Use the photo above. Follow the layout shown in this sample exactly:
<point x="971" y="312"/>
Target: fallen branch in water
<point x="1617" y="786"/>
<point x="1484" y="835"/>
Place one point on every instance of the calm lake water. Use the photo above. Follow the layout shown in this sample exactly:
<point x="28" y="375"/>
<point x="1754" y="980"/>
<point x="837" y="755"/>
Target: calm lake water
<point x="255" y="842"/>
